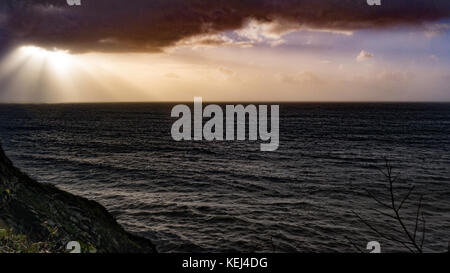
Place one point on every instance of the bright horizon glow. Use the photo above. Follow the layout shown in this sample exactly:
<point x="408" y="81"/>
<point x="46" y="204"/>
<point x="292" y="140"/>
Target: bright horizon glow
<point x="34" y="74"/>
<point x="310" y="66"/>
<point x="58" y="61"/>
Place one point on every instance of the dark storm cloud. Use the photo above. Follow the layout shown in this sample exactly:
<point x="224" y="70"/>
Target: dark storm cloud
<point x="151" y="25"/>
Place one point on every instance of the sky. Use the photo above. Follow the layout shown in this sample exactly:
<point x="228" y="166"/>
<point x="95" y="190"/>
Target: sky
<point x="235" y="50"/>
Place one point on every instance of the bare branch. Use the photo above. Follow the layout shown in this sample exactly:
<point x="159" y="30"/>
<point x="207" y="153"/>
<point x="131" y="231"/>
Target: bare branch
<point x="411" y="243"/>
<point x="390" y="238"/>
<point x="405" y="198"/>
<point x="423" y="231"/>
<point x="417" y="217"/>
<point x="385" y="214"/>
<point x="397" y="214"/>
<point x="354" y="245"/>
<point x="378" y="201"/>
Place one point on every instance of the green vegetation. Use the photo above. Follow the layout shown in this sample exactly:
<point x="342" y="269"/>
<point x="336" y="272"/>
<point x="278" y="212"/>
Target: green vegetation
<point x="19" y="243"/>
<point x="11" y="242"/>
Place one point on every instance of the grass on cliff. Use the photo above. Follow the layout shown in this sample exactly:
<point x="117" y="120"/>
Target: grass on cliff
<point x="11" y="242"/>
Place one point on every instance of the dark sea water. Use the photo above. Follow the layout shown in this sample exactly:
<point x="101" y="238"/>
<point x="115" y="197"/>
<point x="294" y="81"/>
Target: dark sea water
<point x="230" y="196"/>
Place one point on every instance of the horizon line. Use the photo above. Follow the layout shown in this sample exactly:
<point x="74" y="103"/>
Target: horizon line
<point x="219" y="102"/>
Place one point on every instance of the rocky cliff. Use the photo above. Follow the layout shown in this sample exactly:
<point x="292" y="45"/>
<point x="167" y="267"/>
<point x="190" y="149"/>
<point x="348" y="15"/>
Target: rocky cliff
<point x="43" y="213"/>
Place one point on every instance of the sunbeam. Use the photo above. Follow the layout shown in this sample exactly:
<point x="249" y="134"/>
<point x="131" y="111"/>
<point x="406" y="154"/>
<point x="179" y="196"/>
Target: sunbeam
<point x="59" y="60"/>
<point x="34" y="74"/>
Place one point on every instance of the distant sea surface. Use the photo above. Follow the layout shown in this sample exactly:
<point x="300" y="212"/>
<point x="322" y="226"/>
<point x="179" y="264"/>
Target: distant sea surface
<point x="230" y="196"/>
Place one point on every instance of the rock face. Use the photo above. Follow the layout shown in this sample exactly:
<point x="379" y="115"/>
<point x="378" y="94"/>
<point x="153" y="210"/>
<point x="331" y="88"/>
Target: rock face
<point x="42" y="213"/>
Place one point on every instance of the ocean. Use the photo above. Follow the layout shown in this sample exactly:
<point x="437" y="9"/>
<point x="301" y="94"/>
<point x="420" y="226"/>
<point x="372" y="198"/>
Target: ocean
<point x="228" y="196"/>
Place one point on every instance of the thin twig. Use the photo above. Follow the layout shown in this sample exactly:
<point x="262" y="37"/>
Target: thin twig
<point x="411" y="244"/>
<point x="390" y="238"/>
<point x="354" y="245"/>
<point x="377" y="200"/>
<point x="423" y="231"/>
<point x="405" y="198"/>
<point x="397" y="214"/>
<point x="385" y="214"/>
<point x="417" y="217"/>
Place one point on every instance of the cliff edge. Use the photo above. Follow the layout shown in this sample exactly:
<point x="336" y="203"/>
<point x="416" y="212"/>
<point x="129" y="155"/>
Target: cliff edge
<point x="43" y="213"/>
